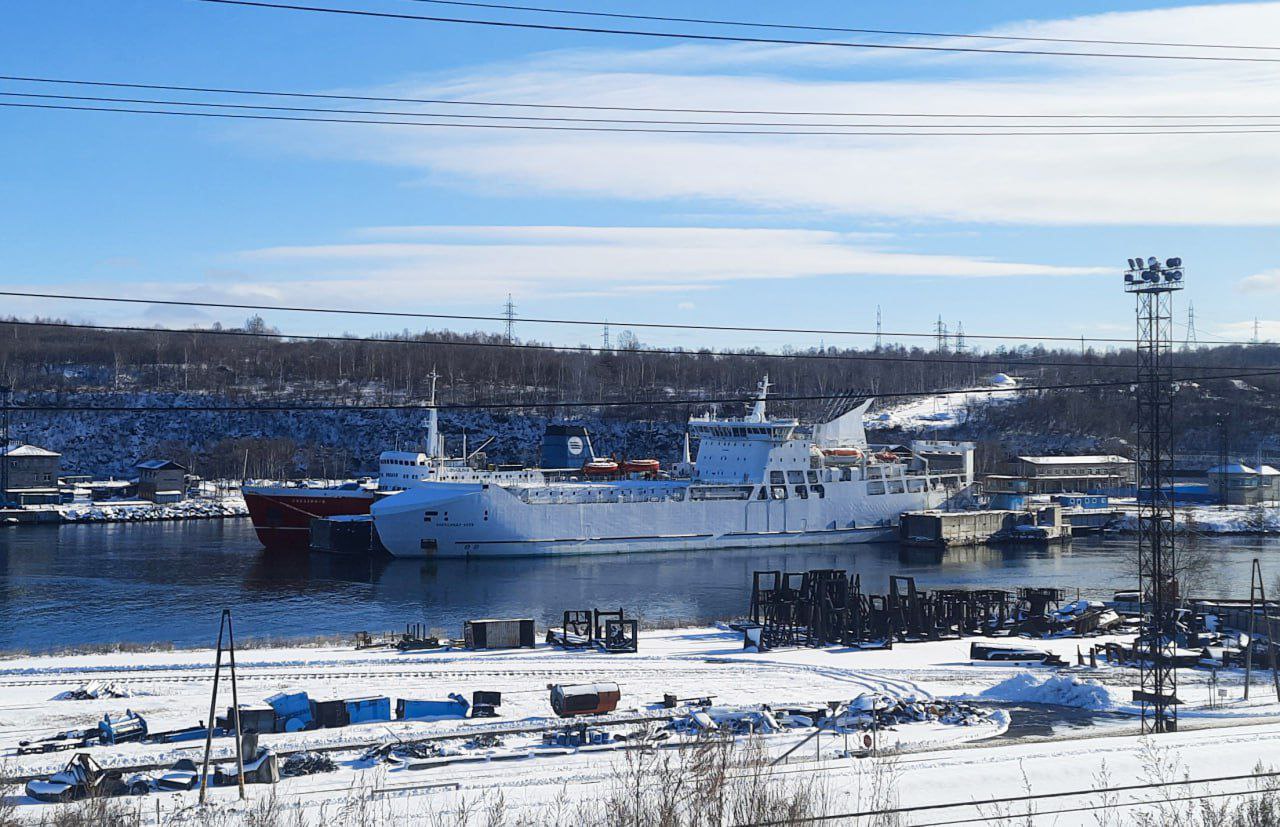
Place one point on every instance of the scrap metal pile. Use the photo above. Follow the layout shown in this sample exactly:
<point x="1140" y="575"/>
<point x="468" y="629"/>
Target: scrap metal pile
<point x="824" y="607"/>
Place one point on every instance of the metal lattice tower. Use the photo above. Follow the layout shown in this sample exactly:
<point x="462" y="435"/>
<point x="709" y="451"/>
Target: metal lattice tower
<point x="509" y="313"/>
<point x="879" y="343"/>
<point x="1154" y="285"/>
<point x="942" y="335"/>
<point x="1190" y="342"/>
<point x="605" y="337"/>
<point x="960" y="345"/>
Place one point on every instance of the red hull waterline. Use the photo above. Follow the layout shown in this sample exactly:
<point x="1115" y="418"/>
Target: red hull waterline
<point x="282" y="516"/>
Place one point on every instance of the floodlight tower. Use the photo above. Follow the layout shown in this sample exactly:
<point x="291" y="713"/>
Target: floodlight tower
<point x="1154" y="284"/>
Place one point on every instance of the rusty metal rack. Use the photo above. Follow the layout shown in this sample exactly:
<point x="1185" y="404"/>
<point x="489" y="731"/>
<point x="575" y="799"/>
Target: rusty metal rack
<point x="823" y="607"/>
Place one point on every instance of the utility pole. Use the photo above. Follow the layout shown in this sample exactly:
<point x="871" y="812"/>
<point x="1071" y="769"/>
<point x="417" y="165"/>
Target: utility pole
<point x="1153" y="285"/>
<point x="509" y="312"/>
<point x="879" y="343"/>
<point x="5" y="391"/>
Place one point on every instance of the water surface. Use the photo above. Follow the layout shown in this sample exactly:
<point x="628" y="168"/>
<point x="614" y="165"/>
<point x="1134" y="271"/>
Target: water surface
<point x="104" y="583"/>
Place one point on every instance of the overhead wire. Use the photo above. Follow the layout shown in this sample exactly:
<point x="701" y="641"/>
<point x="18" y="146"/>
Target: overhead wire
<point x="721" y="38"/>
<point x="926" y="358"/>
<point x="605" y="403"/>
<point x="1134" y="128"/>
<point x="407" y="314"/>
<point x="645" y="130"/>
<point x="845" y="29"/>
<point x="165" y="87"/>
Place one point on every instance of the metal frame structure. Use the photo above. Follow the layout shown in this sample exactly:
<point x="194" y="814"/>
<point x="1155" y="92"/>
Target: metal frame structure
<point x="1153" y="285"/>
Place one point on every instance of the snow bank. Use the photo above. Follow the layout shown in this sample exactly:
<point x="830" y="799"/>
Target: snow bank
<point x="1235" y="519"/>
<point x="131" y="512"/>
<point x="1061" y="690"/>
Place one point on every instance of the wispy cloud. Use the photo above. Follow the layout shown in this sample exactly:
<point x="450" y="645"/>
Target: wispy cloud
<point x="479" y="263"/>
<point x="1043" y="180"/>
<point x="1267" y="281"/>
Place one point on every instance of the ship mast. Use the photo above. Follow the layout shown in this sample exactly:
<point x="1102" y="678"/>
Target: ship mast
<point x="433" y="423"/>
<point x="757" y="412"/>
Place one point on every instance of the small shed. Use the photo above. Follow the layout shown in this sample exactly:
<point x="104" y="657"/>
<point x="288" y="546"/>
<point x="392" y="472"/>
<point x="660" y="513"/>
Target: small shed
<point x="1235" y="483"/>
<point x="161" y="480"/>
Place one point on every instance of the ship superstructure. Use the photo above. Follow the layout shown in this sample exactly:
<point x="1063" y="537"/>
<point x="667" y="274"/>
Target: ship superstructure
<point x="756" y="482"/>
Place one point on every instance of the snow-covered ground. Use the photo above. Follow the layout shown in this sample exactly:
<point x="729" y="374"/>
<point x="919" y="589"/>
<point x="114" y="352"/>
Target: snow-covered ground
<point x="933" y="763"/>
<point x="946" y="410"/>
<point x="1213" y="519"/>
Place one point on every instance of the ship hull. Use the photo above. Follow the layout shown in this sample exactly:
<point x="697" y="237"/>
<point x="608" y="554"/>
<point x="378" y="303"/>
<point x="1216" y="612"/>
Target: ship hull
<point x="448" y="521"/>
<point x="282" y="516"/>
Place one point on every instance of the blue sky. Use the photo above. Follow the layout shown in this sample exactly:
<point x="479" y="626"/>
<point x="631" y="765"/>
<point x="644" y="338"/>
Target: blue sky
<point x="1007" y="235"/>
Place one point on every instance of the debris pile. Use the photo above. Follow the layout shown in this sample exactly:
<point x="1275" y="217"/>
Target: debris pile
<point x="307" y="763"/>
<point x="92" y="691"/>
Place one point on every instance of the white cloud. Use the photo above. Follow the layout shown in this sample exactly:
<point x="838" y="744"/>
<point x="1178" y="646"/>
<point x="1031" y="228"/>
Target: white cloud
<point x="1046" y="180"/>
<point x="481" y="263"/>
<point x="1267" y="281"/>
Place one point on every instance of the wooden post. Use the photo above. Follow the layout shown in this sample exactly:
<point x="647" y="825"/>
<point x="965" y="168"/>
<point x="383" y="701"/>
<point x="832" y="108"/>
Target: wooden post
<point x="235" y="703"/>
<point x="1255" y="574"/>
<point x="213" y="709"/>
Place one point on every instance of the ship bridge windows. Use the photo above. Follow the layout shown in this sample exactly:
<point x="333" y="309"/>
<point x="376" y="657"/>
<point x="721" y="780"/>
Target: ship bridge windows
<point x="819" y="491"/>
<point x="813" y="476"/>
<point x="764" y="493"/>
<point x="778" y="492"/>
<point x="795" y="477"/>
<point x="777" y="478"/>
<point x="802" y="492"/>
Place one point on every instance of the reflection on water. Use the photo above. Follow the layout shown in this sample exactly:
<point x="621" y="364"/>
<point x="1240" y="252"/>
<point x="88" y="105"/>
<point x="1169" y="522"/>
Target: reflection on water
<point x="166" y="581"/>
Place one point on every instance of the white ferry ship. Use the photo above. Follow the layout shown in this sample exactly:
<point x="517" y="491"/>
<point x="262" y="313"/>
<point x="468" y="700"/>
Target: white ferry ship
<point x="757" y="482"/>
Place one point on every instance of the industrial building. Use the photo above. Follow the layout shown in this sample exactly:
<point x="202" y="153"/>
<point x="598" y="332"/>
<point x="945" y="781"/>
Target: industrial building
<point x="1063" y="475"/>
<point x="161" y="480"/>
<point x="30" y="475"/>
<point x="1239" y="484"/>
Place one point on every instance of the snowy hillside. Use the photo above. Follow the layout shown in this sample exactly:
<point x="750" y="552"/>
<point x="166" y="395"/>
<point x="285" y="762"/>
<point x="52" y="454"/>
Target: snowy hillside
<point x="946" y="410"/>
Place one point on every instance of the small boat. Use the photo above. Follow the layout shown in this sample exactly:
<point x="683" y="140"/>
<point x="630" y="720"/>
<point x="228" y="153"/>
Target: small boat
<point x="641" y="466"/>
<point x="599" y="467"/>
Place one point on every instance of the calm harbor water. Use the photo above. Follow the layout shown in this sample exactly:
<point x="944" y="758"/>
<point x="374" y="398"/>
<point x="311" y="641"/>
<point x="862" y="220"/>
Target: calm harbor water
<point x="80" y="584"/>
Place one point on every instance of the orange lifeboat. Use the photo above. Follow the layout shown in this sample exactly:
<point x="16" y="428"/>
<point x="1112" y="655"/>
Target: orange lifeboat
<point x="641" y="466"/>
<point x="599" y="467"/>
<point x="851" y="453"/>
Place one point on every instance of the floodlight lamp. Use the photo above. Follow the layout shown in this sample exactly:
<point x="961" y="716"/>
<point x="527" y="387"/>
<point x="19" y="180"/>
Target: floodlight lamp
<point x="1173" y="262"/>
<point x="1133" y="265"/>
<point x="1153" y="263"/>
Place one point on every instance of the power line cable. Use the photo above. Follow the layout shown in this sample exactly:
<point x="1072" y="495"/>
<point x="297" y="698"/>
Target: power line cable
<point x="600" y="403"/>
<point x="988" y="361"/>
<point x="646" y="130"/>
<point x="526" y="105"/>
<point x="812" y="28"/>
<point x="644" y="121"/>
<point x="731" y="38"/>
<point x="405" y="314"/>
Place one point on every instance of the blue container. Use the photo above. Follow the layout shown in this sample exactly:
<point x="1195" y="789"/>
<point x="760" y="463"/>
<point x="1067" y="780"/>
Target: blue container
<point x="366" y="710"/>
<point x="455" y="707"/>
<point x="293" y="710"/>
